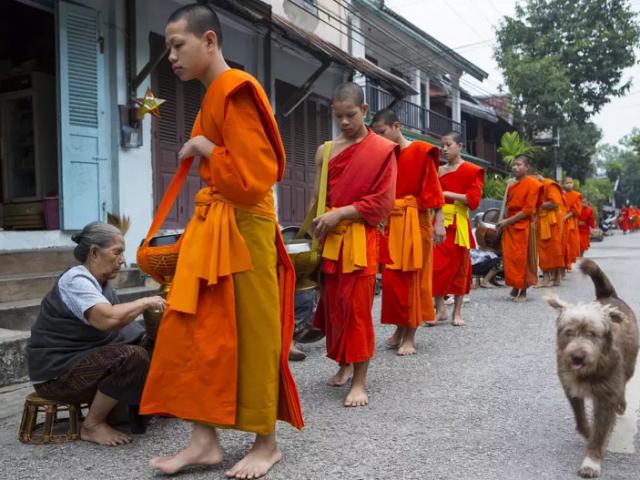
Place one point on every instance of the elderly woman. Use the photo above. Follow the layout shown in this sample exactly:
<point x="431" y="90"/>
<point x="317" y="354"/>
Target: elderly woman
<point x="85" y="346"/>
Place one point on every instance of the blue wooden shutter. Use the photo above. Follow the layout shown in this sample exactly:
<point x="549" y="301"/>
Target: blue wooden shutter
<point x="83" y="159"/>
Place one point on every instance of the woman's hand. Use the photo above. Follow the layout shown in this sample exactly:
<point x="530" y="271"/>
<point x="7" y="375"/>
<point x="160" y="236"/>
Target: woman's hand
<point x="155" y="303"/>
<point x="199" y="145"/>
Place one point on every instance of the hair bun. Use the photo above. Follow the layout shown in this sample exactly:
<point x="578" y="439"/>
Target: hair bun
<point x="76" y="237"/>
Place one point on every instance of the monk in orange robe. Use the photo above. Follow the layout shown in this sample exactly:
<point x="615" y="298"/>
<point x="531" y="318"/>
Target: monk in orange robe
<point x="220" y="359"/>
<point x="572" y="236"/>
<point x="407" y="298"/>
<point x="360" y="194"/>
<point x="519" y="250"/>
<point x="461" y="183"/>
<point x="624" y="221"/>
<point x="549" y="228"/>
<point x="586" y="221"/>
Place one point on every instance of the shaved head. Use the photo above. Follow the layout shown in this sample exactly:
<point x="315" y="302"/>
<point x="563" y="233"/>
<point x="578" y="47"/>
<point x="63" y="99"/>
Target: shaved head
<point x="386" y="116"/>
<point x="349" y="92"/>
<point x="200" y="19"/>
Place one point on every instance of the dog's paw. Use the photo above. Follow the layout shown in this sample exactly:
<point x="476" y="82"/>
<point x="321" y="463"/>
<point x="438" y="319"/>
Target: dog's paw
<point x="590" y="468"/>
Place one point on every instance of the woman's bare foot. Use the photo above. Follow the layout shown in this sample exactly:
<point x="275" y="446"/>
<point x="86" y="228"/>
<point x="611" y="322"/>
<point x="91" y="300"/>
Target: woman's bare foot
<point x="261" y="458"/>
<point x="103" y="434"/>
<point x="342" y="376"/>
<point x="357" y="397"/>
<point x="204" y="449"/>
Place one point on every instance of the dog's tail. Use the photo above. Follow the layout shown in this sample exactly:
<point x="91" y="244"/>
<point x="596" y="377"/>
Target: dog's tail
<point x="604" y="288"/>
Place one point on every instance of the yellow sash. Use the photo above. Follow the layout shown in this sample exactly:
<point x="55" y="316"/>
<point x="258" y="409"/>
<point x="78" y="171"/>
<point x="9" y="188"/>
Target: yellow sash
<point x="405" y="239"/>
<point x="547" y="218"/>
<point x="459" y="212"/>
<point x="351" y="236"/>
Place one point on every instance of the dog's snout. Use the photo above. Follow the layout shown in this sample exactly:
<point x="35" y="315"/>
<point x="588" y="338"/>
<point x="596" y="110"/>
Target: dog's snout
<point x="578" y="357"/>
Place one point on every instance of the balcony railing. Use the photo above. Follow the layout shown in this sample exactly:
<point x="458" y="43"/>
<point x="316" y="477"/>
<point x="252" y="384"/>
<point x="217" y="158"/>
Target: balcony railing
<point x="414" y="116"/>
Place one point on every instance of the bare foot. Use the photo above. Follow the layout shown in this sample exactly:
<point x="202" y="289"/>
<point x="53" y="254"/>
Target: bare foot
<point x="520" y="299"/>
<point x="342" y="376"/>
<point x="484" y="284"/>
<point x="556" y="283"/>
<point x="408" y="347"/>
<point x="394" y="340"/>
<point x="441" y="316"/>
<point x="357" y="397"/>
<point x="546" y="284"/>
<point x="263" y="455"/>
<point x="514" y="292"/>
<point x="203" y="450"/>
<point x="103" y="434"/>
<point x="457" y="321"/>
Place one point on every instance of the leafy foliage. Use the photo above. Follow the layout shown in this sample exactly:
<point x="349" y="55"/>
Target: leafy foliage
<point x="563" y="59"/>
<point x="494" y="186"/>
<point x="622" y="164"/>
<point x="599" y="191"/>
<point x="513" y="145"/>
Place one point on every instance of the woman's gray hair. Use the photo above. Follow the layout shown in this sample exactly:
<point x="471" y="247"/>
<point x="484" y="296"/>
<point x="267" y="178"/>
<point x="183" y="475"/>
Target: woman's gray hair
<point x="98" y="234"/>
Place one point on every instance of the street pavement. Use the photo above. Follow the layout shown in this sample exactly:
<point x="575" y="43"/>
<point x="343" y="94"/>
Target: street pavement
<point x="476" y="402"/>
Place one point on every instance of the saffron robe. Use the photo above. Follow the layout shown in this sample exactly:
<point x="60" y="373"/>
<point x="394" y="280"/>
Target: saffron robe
<point x="550" y="227"/>
<point x="586" y="221"/>
<point x="407" y="298"/>
<point x="572" y="236"/>
<point x="362" y="175"/>
<point x="221" y="356"/>
<point x="519" y="251"/>
<point x="624" y="221"/>
<point x="452" y="262"/>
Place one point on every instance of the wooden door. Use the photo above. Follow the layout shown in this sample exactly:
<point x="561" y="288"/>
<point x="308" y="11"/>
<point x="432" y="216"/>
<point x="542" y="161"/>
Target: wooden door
<point x="308" y="126"/>
<point x="170" y="131"/>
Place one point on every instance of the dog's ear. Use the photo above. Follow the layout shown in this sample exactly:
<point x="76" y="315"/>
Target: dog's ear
<point x="555" y="302"/>
<point x="616" y="316"/>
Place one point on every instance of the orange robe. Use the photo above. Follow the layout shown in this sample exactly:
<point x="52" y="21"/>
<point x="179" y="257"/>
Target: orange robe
<point x="221" y="356"/>
<point x="362" y="175"/>
<point x="519" y="240"/>
<point x="451" y="261"/>
<point x="407" y="298"/>
<point x="624" y="222"/>
<point x="550" y="224"/>
<point x="572" y="236"/>
<point x="586" y="222"/>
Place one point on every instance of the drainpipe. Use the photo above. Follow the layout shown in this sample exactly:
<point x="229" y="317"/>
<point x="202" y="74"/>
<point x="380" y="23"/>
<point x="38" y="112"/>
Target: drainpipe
<point x="130" y="39"/>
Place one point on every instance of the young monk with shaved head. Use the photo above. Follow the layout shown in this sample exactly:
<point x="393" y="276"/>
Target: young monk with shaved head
<point x="572" y="234"/>
<point x="519" y="249"/>
<point x="360" y="195"/>
<point x="407" y="299"/>
<point x="220" y="359"/>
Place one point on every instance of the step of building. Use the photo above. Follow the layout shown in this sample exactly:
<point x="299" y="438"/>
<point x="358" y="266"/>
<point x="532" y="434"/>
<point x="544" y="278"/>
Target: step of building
<point x="20" y="262"/>
<point x="13" y="359"/>
<point x="21" y="314"/>
<point x="27" y="286"/>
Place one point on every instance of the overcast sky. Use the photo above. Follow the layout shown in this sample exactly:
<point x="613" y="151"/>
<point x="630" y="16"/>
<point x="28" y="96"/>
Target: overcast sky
<point x="468" y="26"/>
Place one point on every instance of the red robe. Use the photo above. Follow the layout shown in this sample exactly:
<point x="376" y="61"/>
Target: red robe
<point x="572" y="236"/>
<point x="519" y="251"/>
<point x="407" y="298"/>
<point x="451" y="262"/>
<point x="362" y="175"/>
<point x="586" y="222"/>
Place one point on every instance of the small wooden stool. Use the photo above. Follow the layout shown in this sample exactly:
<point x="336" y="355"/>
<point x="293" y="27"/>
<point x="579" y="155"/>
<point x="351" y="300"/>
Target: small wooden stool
<point x="34" y="405"/>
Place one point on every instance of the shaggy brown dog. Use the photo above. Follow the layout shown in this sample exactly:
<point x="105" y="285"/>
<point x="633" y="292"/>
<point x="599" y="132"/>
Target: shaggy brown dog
<point x="597" y="347"/>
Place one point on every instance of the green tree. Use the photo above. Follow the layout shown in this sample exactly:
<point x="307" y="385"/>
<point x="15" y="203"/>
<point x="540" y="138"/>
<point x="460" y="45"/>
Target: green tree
<point x="599" y="191"/>
<point x="494" y="186"/>
<point x="563" y="59"/>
